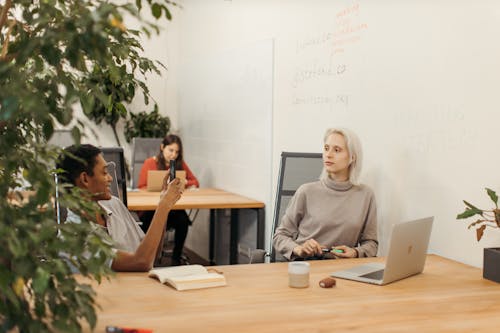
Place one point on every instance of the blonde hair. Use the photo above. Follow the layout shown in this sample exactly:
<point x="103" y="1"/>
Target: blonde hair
<point x="355" y="152"/>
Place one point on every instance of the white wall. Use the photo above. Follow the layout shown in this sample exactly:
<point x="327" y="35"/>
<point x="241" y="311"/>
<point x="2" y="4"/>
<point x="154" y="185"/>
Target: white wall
<point x="416" y="80"/>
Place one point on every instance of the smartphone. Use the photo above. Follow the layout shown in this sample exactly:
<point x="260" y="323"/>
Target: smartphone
<point x="172" y="170"/>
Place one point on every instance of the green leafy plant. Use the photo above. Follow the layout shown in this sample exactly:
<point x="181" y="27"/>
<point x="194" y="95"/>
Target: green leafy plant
<point x="487" y="218"/>
<point x="112" y="93"/>
<point x="115" y="87"/>
<point x="50" y="55"/>
<point x="147" y="125"/>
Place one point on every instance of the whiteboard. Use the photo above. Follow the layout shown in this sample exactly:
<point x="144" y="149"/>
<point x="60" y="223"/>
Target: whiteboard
<point x="418" y="81"/>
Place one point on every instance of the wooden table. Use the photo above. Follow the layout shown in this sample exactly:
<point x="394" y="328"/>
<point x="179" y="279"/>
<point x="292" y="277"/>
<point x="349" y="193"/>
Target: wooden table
<point x="447" y="297"/>
<point x="213" y="199"/>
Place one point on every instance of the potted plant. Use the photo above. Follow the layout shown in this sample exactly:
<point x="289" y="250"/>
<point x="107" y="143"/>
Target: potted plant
<point x="486" y="219"/>
<point x="147" y="125"/>
<point x="48" y="53"/>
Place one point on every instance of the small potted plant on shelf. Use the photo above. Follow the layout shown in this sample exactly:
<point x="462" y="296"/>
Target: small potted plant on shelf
<point x="486" y="219"/>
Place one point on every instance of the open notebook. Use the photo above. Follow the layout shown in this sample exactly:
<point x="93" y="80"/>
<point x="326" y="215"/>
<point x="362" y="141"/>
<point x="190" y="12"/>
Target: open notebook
<point x="406" y="256"/>
<point x="188" y="277"/>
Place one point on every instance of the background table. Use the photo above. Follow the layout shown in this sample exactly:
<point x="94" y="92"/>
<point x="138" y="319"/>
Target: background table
<point x="212" y="199"/>
<point x="447" y="297"/>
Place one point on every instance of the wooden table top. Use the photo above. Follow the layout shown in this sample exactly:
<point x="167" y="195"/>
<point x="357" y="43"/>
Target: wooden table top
<point x="202" y="198"/>
<point x="447" y="297"/>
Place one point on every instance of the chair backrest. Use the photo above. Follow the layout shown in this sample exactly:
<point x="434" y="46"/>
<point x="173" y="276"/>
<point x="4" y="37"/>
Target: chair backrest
<point x="61" y="211"/>
<point x="295" y="169"/>
<point x="114" y="157"/>
<point x="142" y="148"/>
<point x="61" y="138"/>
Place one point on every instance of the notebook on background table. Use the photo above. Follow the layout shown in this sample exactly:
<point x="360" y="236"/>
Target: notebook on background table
<point x="155" y="179"/>
<point x="406" y="257"/>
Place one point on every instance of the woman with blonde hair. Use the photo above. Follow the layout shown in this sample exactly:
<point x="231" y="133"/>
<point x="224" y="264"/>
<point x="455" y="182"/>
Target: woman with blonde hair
<point x="335" y="216"/>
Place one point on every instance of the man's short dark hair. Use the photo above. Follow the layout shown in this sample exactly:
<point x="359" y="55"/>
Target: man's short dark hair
<point x="76" y="159"/>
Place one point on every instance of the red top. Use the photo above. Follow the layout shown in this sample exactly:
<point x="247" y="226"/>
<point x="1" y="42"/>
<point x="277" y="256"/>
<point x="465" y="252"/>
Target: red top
<point x="150" y="164"/>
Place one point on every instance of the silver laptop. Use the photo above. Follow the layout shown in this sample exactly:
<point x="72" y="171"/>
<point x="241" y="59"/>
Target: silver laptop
<point x="406" y="256"/>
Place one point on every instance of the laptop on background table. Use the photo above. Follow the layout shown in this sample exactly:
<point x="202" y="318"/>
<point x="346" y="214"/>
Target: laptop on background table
<point x="181" y="174"/>
<point x="406" y="257"/>
<point x="155" y="179"/>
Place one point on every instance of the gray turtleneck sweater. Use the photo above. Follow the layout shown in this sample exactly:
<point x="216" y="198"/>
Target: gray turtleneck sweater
<point x="332" y="213"/>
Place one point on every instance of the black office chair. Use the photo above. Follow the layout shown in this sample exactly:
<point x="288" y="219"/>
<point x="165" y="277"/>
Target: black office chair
<point x="295" y="169"/>
<point x="116" y="161"/>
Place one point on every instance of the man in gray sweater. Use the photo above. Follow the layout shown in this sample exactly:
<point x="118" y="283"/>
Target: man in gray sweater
<point x="334" y="214"/>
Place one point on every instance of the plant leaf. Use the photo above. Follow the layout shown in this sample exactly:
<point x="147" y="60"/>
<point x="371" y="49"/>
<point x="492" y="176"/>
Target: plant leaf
<point x="468" y="204"/>
<point x="493" y="196"/>
<point x="156" y="10"/>
<point x="76" y="134"/>
<point x="40" y="281"/>
<point x="168" y="15"/>
<point x="480" y="232"/>
<point x="469" y="212"/>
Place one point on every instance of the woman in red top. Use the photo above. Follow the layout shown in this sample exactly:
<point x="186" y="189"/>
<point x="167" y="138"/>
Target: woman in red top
<point x="170" y="149"/>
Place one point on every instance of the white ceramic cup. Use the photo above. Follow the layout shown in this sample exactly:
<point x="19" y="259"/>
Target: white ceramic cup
<point x="298" y="274"/>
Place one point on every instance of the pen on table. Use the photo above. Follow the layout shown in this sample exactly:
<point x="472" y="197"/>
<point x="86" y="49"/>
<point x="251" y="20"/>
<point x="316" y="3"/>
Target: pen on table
<point x="116" y="329"/>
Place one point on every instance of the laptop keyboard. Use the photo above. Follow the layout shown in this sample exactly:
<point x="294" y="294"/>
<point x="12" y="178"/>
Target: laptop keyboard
<point x="377" y="275"/>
